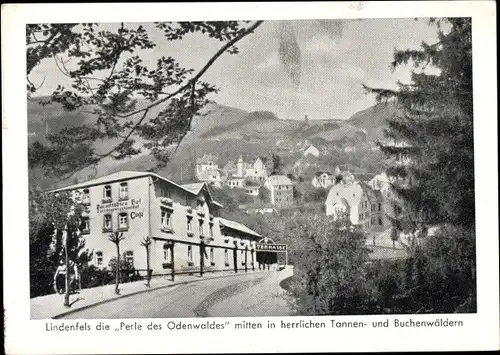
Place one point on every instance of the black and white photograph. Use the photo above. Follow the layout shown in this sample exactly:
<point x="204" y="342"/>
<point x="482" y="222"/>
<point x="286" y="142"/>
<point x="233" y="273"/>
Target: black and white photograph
<point x="278" y="168"/>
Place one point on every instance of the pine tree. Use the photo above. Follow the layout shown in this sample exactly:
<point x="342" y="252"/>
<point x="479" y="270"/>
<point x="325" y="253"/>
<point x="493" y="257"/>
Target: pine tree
<point x="432" y="134"/>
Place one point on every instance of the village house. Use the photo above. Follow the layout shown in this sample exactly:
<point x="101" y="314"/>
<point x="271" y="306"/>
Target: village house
<point x="207" y="162"/>
<point x="323" y="179"/>
<point x="281" y="189"/>
<point x="182" y="221"/>
<point x="214" y="177"/>
<point x="234" y="183"/>
<point x="356" y="201"/>
<point x="254" y="171"/>
<point x="252" y="190"/>
<point x="346" y="177"/>
<point x="311" y="150"/>
<point x="207" y="170"/>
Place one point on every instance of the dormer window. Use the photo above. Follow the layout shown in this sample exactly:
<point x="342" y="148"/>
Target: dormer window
<point x="107" y="193"/>
<point x="124" y="191"/>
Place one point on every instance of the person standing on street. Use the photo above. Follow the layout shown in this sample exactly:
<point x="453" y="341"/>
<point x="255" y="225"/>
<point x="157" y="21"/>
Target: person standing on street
<point x="60" y="278"/>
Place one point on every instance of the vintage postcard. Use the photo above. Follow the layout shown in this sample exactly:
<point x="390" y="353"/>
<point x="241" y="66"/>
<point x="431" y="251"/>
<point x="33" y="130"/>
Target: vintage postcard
<point x="250" y="177"/>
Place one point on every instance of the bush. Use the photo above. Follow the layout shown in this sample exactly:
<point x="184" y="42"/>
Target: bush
<point x="438" y="277"/>
<point x="93" y="276"/>
<point x="329" y="263"/>
<point x="127" y="270"/>
<point x="315" y="195"/>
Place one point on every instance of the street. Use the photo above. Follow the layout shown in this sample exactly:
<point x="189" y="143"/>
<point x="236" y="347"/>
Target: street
<point x="255" y="294"/>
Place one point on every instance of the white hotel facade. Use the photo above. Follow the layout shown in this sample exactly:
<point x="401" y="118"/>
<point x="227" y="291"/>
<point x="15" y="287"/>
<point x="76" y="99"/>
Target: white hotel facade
<point x="182" y="220"/>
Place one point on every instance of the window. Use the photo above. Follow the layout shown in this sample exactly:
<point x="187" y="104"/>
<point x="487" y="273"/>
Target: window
<point x="380" y="221"/>
<point x="98" y="258"/>
<point x="166" y="219"/>
<point x="211" y="230"/>
<point x="123" y="220"/>
<point x="360" y="216"/>
<point x="107" y="192"/>
<point x="372" y="220"/>
<point x="129" y="257"/>
<point x="226" y="257"/>
<point x="86" y="197"/>
<point x="379" y="206"/>
<point x="201" y="227"/>
<point x="242" y="257"/>
<point x="85" y="226"/>
<point x="190" y="255"/>
<point x="108" y="223"/>
<point x="373" y="207"/>
<point x="212" y="258"/>
<point x="189" y="225"/>
<point x="123" y="191"/>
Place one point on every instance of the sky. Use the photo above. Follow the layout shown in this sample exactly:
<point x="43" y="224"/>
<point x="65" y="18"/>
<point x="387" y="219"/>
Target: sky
<point x="320" y="74"/>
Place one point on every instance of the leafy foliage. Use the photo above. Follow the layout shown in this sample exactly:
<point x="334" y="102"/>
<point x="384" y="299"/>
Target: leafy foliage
<point x="110" y="77"/>
<point x="49" y="216"/>
<point x="439" y="277"/>
<point x="329" y="258"/>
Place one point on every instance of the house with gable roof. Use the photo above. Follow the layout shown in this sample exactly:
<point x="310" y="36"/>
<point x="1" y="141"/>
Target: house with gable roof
<point x="181" y="220"/>
<point x="354" y="200"/>
<point x="323" y="179"/>
<point x="281" y="189"/>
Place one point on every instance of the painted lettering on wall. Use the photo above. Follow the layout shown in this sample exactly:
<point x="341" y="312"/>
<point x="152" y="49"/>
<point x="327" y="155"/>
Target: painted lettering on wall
<point x="119" y="206"/>
<point x="134" y="215"/>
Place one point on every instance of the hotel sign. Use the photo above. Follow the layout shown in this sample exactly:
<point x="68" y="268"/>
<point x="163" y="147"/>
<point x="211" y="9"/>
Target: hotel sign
<point x="270" y="247"/>
<point x="119" y="206"/>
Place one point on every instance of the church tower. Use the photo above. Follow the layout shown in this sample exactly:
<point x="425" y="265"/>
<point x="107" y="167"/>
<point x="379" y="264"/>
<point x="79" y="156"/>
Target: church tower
<point x="239" y="167"/>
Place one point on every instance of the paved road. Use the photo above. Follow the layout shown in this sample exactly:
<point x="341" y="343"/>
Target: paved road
<point x="256" y="294"/>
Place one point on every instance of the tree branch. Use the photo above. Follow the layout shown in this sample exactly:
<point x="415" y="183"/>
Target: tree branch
<point x="202" y="71"/>
<point x="190" y="84"/>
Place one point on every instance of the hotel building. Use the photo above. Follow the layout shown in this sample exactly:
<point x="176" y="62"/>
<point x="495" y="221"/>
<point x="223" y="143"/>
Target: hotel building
<point x="182" y="220"/>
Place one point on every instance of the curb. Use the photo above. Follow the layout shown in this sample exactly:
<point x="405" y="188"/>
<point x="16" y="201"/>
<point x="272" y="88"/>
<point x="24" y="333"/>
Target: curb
<point x="74" y="310"/>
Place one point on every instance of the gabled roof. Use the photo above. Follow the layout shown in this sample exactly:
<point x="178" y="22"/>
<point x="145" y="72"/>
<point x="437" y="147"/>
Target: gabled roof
<point x="120" y="175"/>
<point x="128" y="175"/>
<point x="195" y="189"/>
<point x="237" y="226"/>
<point x="352" y="194"/>
<point x="279" y="180"/>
